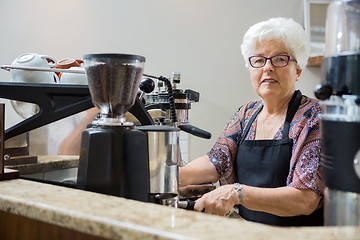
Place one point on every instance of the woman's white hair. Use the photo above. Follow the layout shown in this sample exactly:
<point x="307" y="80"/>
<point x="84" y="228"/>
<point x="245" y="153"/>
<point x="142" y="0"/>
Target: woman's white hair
<point x="285" y="29"/>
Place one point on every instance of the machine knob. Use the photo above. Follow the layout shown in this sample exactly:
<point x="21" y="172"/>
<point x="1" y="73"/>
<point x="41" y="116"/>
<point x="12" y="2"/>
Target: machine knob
<point x="147" y="85"/>
<point x="357" y="101"/>
<point x="176" y="77"/>
<point x="357" y="164"/>
<point x="323" y="91"/>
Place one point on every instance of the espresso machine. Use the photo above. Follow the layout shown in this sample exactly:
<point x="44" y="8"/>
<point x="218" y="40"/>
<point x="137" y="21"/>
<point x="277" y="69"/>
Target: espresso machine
<point x="137" y="159"/>
<point x="340" y="122"/>
<point x="168" y="104"/>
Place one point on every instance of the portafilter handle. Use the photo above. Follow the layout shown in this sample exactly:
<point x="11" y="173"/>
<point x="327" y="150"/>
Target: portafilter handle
<point x="186" y="204"/>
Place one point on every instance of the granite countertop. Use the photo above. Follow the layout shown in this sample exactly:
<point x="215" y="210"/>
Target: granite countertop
<point x="119" y="218"/>
<point x="46" y="163"/>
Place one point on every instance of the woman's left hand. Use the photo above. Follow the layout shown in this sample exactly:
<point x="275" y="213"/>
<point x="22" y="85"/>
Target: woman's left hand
<point x="219" y="201"/>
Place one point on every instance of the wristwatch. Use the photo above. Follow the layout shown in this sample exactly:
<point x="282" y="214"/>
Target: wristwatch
<point x="239" y="189"/>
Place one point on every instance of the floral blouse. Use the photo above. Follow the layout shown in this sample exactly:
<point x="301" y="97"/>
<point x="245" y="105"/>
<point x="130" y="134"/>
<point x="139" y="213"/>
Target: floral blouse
<point x="304" y="169"/>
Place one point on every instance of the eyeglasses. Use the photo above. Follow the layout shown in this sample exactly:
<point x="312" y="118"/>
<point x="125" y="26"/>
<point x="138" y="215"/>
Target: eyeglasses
<point x="277" y="61"/>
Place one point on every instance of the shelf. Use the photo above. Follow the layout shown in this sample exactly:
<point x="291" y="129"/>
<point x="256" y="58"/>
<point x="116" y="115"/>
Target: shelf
<point x="314" y="61"/>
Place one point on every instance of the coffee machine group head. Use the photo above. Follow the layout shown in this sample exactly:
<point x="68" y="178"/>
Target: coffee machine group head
<point x="340" y="122"/>
<point x="114" y="155"/>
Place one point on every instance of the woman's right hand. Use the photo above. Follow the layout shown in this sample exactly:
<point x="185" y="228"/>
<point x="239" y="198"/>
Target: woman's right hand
<point x="219" y="201"/>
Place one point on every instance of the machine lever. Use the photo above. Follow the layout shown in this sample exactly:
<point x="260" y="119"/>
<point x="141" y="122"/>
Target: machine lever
<point x="195" y="131"/>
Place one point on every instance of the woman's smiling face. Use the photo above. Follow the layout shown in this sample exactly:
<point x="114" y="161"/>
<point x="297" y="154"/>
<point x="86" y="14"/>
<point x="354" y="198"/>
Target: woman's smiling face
<point x="271" y="82"/>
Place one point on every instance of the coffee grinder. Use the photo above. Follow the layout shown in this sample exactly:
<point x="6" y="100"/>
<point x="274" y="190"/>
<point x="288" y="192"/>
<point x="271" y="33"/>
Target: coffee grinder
<point x="114" y="155"/>
<point x="340" y="123"/>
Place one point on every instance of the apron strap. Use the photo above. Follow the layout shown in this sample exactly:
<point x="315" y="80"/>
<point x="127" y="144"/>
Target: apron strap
<point x="247" y="128"/>
<point x="293" y="107"/>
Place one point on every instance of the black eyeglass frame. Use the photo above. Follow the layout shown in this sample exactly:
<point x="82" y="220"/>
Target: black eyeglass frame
<point x="290" y="58"/>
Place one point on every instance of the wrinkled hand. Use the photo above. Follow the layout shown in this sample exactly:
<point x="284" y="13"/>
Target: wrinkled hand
<point x="218" y="202"/>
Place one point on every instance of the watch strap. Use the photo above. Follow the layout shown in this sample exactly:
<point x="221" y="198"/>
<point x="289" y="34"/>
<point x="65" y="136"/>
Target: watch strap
<point x="239" y="189"/>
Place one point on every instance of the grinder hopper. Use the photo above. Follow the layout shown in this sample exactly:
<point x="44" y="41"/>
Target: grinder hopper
<point x="113" y="82"/>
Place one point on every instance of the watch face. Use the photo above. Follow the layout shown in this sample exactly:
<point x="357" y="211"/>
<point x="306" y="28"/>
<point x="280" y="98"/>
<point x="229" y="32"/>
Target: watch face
<point x="237" y="186"/>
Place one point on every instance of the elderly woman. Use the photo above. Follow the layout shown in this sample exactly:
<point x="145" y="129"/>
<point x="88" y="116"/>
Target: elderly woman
<point x="267" y="158"/>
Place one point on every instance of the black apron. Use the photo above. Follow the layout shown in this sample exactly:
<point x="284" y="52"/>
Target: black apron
<point x="266" y="163"/>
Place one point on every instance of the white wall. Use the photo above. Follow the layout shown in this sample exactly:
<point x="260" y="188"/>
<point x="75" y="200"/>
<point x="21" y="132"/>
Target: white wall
<point x="199" y="38"/>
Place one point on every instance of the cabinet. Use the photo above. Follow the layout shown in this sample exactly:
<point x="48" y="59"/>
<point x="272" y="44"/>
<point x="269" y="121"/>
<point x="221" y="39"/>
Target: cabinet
<point x="314" y="23"/>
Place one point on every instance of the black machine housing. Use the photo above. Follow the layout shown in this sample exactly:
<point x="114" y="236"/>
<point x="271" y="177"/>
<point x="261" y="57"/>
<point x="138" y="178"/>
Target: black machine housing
<point x="128" y="176"/>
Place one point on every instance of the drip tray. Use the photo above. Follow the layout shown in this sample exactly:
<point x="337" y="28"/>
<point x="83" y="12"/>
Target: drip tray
<point x="63" y="177"/>
<point x="21" y="160"/>
<point x="62" y="184"/>
<point x="66" y="175"/>
<point x="53" y="169"/>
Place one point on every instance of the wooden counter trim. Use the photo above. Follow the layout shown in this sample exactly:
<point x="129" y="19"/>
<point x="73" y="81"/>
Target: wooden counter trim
<point x="13" y="227"/>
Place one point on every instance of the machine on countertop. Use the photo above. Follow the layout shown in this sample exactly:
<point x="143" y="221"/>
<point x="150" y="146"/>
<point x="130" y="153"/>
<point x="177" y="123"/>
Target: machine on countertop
<point x="340" y="123"/>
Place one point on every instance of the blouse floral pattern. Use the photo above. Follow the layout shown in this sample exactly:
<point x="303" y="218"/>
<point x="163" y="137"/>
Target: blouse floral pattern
<point x="304" y="168"/>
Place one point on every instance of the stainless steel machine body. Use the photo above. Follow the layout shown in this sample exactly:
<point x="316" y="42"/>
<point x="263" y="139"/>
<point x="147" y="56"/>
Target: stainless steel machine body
<point x="340" y="132"/>
<point x="164" y="161"/>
